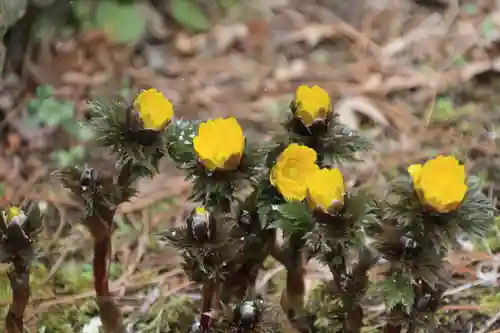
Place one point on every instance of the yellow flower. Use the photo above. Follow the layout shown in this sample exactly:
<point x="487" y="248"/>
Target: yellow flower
<point x="440" y="183"/>
<point x="326" y="190"/>
<point x="220" y="144"/>
<point x="290" y="173"/>
<point x="312" y="103"/>
<point x="12" y="213"/>
<point x="154" y="110"/>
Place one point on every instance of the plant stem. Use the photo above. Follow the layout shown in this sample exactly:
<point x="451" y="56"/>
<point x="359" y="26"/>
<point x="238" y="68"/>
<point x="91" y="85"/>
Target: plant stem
<point x="207" y="294"/>
<point x="99" y="227"/>
<point x="19" y="283"/>
<point x="237" y="284"/>
<point x="390" y="328"/>
<point x="102" y="251"/>
<point x="293" y="296"/>
<point x="352" y="289"/>
<point x="110" y="314"/>
<point x="354" y="319"/>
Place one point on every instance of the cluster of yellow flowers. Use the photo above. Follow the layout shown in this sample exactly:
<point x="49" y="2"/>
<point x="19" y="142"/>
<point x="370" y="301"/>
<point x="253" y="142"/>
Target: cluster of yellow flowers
<point x="297" y="177"/>
<point x="440" y="183"/>
<point x="220" y="144"/>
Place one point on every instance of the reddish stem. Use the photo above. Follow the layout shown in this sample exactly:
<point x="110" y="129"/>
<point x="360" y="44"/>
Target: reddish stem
<point x="389" y="328"/>
<point x="110" y="314"/>
<point x="19" y="282"/>
<point x="99" y="227"/>
<point x="102" y="251"/>
<point x="208" y="293"/>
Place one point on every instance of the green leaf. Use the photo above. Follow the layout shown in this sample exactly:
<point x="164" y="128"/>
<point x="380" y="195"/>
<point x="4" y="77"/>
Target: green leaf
<point x="488" y="28"/>
<point x="294" y="211"/>
<point x="34" y="104"/>
<point x="82" y="11"/>
<point x="189" y="14"/>
<point x="44" y="91"/>
<point x="470" y="9"/>
<point x="226" y="4"/>
<point x="53" y="112"/>
<point x="444" y="109"/>
<point x="397" y="290"/>
<point x="295" y="217"/>
<point x="124" y="23"/>
<point x="66" y="158"/>
<point x="78" y="130"/>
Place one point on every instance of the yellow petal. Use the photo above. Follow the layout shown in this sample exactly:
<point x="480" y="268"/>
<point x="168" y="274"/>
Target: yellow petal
<point x="306" y="117"/>
<point x="326" y="189"/>
<point x="220" y="143"/>
<point x="154" y="109"/>
<point x="415" y="170"/>
<point x="440" y="183"/>
<point x="312" y="103"/>
<point x="292" y="168"/>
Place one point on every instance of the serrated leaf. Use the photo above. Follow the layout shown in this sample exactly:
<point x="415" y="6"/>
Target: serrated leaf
<point x="190" y="15"/>
<point x="295" y="217"/>
<point x="397" y="290"/>
<point x="123" y="23"/>
<point x="294" y="211"/>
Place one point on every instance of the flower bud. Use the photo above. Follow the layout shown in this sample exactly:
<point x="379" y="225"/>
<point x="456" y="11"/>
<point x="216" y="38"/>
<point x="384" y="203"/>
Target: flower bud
<point x="220" y="144"/>
<point x="247" y="315"/>
<point x="312" y="105"/>
<point x="326" y="190"/>
<point x="440" y="183"/>
<point x="195" y="327"/>
<point x="201" y="225"/>
<point x="88" y="178"/>
<point x="248" y="220"/>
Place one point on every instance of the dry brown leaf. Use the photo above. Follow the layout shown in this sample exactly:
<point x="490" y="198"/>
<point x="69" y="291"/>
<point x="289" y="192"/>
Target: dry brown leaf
<point x="189" y="45"/>
<point x="347" y="107"/>
<point x="292" y="70"/>
<point x="226" y="35"/>
<point x="311" y="35"/>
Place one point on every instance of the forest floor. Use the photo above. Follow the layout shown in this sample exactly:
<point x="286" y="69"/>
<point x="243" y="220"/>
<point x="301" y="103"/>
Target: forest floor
<point x="416" y="77"/>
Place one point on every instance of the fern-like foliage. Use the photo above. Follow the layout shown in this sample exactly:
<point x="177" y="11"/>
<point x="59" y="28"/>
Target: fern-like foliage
<point x="211" y="259"/>
<point x="212" y="188"/>
<point x="116" y="127"/>
<point x="333" y="141"/>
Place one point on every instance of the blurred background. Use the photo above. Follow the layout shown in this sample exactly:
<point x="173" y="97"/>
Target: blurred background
<point x="418" y="77"/>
